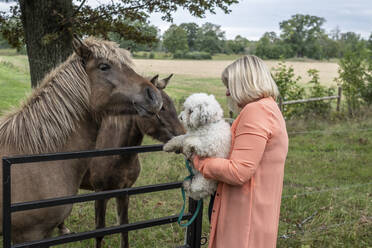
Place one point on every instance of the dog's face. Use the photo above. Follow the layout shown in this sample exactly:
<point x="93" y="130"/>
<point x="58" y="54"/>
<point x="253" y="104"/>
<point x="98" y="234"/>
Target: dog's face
<point x="200" y="109"/>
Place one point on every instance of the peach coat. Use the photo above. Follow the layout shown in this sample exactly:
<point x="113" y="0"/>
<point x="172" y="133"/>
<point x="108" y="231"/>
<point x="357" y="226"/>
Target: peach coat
<point x="247" y="203"/>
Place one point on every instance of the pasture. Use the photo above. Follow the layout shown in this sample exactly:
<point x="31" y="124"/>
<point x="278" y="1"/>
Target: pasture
<point x="327" y="199"/>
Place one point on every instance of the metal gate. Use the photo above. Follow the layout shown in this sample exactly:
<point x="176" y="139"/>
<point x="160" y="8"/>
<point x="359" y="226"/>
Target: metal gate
<point x="193" y="232"/>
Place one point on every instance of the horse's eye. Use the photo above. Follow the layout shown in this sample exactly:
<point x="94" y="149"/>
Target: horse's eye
<point x="162" y="108"/>
<point x="104" y="67"/>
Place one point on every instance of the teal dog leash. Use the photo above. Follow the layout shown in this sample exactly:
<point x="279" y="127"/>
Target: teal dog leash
<point x="189" y="177"/>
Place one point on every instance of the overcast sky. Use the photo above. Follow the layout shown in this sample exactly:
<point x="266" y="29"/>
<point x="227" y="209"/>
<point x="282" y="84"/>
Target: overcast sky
<point x="252" y="18"/>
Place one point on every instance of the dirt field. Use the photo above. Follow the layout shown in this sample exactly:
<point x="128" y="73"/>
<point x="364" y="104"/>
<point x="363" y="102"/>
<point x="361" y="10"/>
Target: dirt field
<point x="213" y="68"/>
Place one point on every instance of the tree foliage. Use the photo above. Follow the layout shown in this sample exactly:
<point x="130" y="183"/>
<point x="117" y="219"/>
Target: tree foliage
<point x="270" y="46"/>
<point x="175" y="39"/>
<point x="191" y="30"/>
<point x="237" y="45"/>
<point x="354" y="76"/>
<point x="47" y="26"/>
<point x="210" y="38"/>
<point x="300" y="31"/>
<point x="121" y="17"/>
<point x="150" y="30"/>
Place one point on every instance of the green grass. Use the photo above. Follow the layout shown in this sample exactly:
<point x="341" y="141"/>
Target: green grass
<point x="14" y="84"/>
<point x="327" y="177"/>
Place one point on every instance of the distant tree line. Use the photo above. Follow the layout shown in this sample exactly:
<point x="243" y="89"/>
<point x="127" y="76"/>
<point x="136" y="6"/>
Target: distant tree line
<point x="300" y="36"/>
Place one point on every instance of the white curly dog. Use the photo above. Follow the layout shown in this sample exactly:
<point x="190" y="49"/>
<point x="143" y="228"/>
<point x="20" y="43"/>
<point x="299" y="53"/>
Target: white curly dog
<point x="208" y="135"/>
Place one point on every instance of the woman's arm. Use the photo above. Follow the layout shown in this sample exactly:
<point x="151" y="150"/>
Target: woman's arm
<point x="252" y="133"/>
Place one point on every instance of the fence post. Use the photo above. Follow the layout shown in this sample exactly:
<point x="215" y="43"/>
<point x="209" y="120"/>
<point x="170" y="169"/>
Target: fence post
<point x="280" y="103"/>
<point x="7" y="218"/>
<point x="193" y="232"/>
<point x="339" y="99"/>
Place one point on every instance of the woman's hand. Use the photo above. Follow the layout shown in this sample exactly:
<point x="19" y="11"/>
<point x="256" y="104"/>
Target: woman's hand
<point x="195" y="161"/>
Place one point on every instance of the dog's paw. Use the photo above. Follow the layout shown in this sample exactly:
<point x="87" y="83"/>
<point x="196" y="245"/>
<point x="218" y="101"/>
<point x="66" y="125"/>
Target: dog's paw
<point x="188" y="151"/>
<point x="173" y="145"/>
<point x="187" y="186"/>
<point x="197" y="195"/>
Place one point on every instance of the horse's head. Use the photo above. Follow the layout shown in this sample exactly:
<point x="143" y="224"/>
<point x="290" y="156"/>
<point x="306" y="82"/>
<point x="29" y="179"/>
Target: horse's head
<point x="165" y="124"/>
<point x="115" y="87"/>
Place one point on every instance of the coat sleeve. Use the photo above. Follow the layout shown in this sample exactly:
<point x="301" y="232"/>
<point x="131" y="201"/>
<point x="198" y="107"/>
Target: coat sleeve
<point x="252" y="133"/>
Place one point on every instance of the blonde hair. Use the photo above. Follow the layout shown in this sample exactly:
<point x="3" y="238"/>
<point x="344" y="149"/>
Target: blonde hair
<point x="249" y="79"/>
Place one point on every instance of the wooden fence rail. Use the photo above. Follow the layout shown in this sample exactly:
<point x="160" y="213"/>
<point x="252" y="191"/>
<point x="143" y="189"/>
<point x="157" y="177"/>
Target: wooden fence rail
<point x="338" y="97"/>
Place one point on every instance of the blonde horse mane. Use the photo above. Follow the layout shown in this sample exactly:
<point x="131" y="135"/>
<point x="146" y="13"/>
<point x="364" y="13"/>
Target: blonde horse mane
<point x="47" y="118"/>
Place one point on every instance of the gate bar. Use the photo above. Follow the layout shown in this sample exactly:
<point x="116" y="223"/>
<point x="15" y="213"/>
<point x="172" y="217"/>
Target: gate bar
<point x="100" y="232"/>
<point x="93" y="196"/>
<point x="82" y="154"/>
<point x="7" y="217"/>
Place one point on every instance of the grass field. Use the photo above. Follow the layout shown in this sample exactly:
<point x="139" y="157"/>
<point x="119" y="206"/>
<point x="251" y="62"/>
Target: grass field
<point x="327" y="186"/>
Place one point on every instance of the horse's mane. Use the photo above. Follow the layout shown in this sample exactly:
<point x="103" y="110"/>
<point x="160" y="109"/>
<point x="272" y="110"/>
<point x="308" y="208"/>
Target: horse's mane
<point x="47" y="118"/>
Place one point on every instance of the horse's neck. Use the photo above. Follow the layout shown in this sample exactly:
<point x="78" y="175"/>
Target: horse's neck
<point x="83" y="139"/>
<point x="119" y="131"/>
<point x="49" y="117"/>
<point x="133" y="135"/>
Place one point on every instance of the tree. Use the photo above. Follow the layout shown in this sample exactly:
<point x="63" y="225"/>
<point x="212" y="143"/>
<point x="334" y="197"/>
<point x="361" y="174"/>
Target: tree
<point x="237" y="45"/>
<point x="191" y="29"/>
<point x="175" y="39"/>
<point x="47" y="26"/>
<point x="3" y="43"/>
<point x="300" y="31"/>
<point x="352" y="75"/>
<point x="349" y="41"/>
<point x="150" y="30"/>
<point x="210" y="38"/>
<point x="369" y="42"/>
<point x="330" y="46"/>
<point x="271" y="47"/>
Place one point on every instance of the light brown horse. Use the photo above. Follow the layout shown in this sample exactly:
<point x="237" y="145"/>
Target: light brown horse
<point x="118" y="172"/>
<point x="64" y="114"/>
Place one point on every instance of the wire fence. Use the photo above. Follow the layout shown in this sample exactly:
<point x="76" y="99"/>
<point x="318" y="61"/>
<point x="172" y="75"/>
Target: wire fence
<point x="331" y="131"/>
<point x="314" y="230"/>
<point x="326" y="190"/>
<point x="299" y="228"/>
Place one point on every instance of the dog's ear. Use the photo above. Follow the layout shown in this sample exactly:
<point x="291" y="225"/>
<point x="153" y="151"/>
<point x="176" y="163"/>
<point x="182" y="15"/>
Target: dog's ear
<point x="206" y="114"/>
<point x="194" y="117"/>
<point x="210" y="111"/>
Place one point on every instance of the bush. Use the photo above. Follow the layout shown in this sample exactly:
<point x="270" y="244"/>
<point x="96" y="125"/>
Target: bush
<point x="22" y="50"/>
<point x="151" y="55"/>
<point x="367" y="91"/>
<point x="197" y="55"/>
<point x="178" y="54"/>
<point x="353" y="73"/>
<point x="191" y="55"/>
<point x="318" y="108"/>
<point x="289" y="89"/>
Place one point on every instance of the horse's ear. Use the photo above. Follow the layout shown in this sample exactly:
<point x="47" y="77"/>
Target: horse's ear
<point x="162" y="84"/>
<point x="80" y="48"/>
<point x="154" y="79"/>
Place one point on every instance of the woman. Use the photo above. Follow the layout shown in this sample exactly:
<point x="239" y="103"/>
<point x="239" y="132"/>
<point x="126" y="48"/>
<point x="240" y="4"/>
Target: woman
<point x="247" y="202"/>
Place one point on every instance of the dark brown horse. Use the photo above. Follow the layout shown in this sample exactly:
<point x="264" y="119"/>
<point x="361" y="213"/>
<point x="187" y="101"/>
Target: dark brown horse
<point x="118" y="172"/>
<point x="64" y="114"/>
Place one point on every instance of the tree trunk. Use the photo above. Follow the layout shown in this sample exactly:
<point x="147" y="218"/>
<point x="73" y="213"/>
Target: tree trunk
<point x="48" y="42"/>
